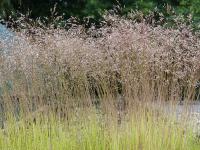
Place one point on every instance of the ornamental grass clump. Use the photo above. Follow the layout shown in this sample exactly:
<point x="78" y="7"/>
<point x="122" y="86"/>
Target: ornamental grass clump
<point x="51" y="73"/>
<point x="124" y="57"/>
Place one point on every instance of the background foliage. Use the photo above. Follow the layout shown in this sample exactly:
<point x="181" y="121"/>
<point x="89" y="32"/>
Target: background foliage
<point x="94" y="8"/>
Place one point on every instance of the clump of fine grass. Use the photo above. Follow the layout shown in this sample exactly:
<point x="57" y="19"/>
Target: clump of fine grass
<point x="123" y="57"/>
<point x="48" y="74"/>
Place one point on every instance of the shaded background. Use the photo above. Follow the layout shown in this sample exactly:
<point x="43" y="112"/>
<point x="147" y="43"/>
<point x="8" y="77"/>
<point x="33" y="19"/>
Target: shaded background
<point x="94" y="8"/>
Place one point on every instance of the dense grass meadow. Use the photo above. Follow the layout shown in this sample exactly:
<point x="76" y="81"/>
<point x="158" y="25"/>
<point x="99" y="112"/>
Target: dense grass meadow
<point x="93" y="88"/>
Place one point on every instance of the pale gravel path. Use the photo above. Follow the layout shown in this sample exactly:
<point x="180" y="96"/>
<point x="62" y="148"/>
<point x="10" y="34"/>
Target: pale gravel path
<point x="190" y="112"/>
